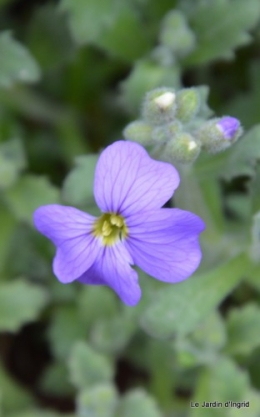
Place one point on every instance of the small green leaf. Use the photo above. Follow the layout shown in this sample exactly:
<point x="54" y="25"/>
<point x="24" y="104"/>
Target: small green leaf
<point x="120" y="39"/>
<point x="112" y="335"/>
<point x="20" y="302"/>
<point x="17" y="64"/>
<point x="138" y="403"/>
<point x="180" y="308"/>
<point x="99" y="401"/>
<point x="220" y="27"/>
<point x="77" y="188"/>
<point x="88" y="367"/>
<point x="241" y="327"/>
<point x="89" y="20"/>
<point x="29" y="193"/>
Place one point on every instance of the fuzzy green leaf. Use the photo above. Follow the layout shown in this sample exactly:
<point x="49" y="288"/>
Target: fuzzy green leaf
<point x="88" y="367"/>
<point x="221" y="27"/>
<point x="99" y="401"/>
<point x="12" y="161"/>
<point x="29" y="193"/>
<point x="17" y="64"/>
<point x="181" y="307"/>
<point x="20" y="303"/>
<point x="138" y="403"/>
<point x="89" y="20"/>
<point x="223" y="382"/>
<point x="112" y="335"/>
<point x="65" y="329"/>
<point x="241" y="327"/>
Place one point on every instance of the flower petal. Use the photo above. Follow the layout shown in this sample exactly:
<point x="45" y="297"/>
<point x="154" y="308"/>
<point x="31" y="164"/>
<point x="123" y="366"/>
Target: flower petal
<point x="112" y="268"/>
<point x="127" y="180"/>
<point x="70" y="230"/>
<point x="164" y="243"/>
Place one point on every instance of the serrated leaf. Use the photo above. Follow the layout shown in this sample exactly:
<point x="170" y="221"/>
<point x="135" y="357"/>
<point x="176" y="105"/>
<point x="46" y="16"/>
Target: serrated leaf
<point x="221" y="27"/>
<point x="241" y="328"/>
<point x="181" y="307"/>
<point x="29" y="193"/>
<point x="138" y="403"/>
<point x="17" y="64"/>
<point x="89" y="20"/>
<point x="77" y="188"/>
<point x="88" y="367"/>
<point x="243" y="156"/>
<point x="20" y="302"/>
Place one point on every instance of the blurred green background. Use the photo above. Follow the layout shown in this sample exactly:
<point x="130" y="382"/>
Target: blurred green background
<point x="73" y="74"/>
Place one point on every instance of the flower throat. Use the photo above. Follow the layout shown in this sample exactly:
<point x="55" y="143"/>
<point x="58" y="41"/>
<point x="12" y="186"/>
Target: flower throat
<point x="110" y="227"/>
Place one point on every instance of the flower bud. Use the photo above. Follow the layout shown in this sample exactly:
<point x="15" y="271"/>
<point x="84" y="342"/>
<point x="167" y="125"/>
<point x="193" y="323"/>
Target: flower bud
<point x="219" y="134"/>
<point x="139" y="131"/>
<point x="163" y="134"/>
<point x="159" y="106"/>
<point x="188" y="104"/>
<point x="183" y="148"/>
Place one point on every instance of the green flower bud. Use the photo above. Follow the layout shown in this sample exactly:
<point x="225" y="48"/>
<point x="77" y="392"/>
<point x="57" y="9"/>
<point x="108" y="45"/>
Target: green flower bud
<point x="183" y="148"/>
<point x="163" y="134"/>
<point x="188" y="104"/>
<point x="159" y="106"/>
<point x="139" y="131"/>
<point x="219" y="134"/>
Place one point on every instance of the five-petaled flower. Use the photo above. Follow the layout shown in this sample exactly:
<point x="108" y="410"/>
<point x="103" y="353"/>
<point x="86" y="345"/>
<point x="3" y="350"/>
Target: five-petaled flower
<point x="130" y="188"/>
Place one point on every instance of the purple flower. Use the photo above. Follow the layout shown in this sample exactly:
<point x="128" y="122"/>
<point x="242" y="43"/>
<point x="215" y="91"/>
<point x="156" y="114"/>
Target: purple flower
<point x="228" y="126"/>
<point x="130" y="188"/>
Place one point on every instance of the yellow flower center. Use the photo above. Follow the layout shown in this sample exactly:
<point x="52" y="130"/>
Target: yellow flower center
<point x="110" y="227"/>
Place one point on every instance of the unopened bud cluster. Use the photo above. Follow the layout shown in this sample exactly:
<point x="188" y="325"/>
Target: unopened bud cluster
<point x="173" y="127"/>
